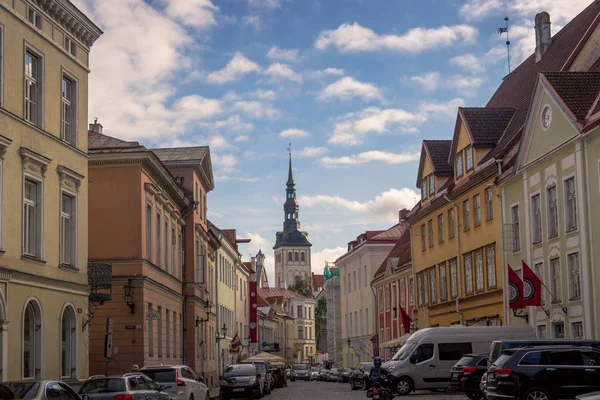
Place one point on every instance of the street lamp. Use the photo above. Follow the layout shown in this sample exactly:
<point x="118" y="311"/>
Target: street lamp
<point x="207" y="308"/>
<point x="349" y="342"/>
<point x="218" y="335"/>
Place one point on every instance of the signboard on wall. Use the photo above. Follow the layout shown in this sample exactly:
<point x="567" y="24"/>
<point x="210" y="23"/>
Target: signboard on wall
<point x="253" y="312"/>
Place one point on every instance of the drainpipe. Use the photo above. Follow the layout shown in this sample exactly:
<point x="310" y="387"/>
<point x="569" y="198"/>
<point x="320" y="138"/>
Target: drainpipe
<point x="458" y="276"/>
<point x="183" y="313"/>
<point x="499" y="163"/>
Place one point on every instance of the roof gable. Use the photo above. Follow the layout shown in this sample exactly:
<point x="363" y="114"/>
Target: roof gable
<point x="485" y="126"/>
<point x="434" y="153"/>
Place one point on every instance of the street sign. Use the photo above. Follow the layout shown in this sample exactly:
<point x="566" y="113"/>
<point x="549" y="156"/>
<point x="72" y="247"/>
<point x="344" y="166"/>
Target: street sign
<point x="109" y="326"/>
<point x="108" y="346"/>
<point x="152" y="315"/>
<point x="133" y="327"/>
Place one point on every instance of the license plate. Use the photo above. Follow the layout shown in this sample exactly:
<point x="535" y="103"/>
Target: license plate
<point x="455" y="375"/>
<point x="238" y="390"/>
<point x="376" y="396"/>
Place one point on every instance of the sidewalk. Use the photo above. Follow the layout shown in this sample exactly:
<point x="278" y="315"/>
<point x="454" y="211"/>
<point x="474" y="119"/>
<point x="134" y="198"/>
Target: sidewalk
<point x="214" y="393"/>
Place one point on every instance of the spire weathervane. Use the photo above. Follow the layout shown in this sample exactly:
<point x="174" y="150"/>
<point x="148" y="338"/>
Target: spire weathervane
<point x="500" y="32"/>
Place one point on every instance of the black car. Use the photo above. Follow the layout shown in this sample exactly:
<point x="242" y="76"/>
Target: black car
<point x="466" y="374"/>
<point x="241" y="380"/>
<point x="544" y="373"/>
<point x="498" y="346"/>
<point x="359" y="378"/>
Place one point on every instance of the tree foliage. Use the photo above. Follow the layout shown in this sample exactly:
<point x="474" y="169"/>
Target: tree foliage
<point x="303" y="287"/>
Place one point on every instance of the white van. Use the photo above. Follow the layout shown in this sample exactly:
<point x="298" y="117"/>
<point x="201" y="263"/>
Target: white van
<point x="425" y="360"/>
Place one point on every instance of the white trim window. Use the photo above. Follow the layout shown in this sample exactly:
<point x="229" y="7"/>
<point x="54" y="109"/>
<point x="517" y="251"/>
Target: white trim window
<point x="555" y="286"/>
<point x="424" y="189"/>
<point x="552" y="212"/>
<point x="173" y="250"/>
<point x="411" y="290"/>
<point x="430" y="229"/>
<point x="469" y="158"/>
<point x="423" y="238"/>
<point x="490" y="262"/>
<point x="541" y="331"/>
<point x="34" y="18"/>
<point x="451" y="227"/>
<point x="453" y="279"/>
<point x="32" y="341"/>
<point x="468" y="274"/>
<point x="571" y="204"/>
<point x="467" y="215"/>
<point x="68" y="359"/>
<point x="477" y="206"/>
<point x="432" y="283"/>
<point x="402" y="293"/>
<point x="158" y="238"/>
<point x="574" y="276"/>
<point x="70" y="46"/>
<point x="32" y="213"/>
<point x="479" y="275"/>
<point x="68" y="110"/>
<point x="443" y="282"/>
<point x="536" y="218"/>
<point x="166" y="243"/>
<point x="440" y="228"/>
<point x="199" y="263"/>
<point x="458" y="163"/>
<point x="149" y="215"/>
<point x="431" y="185"/>
<point x="538" y="268"/>
<point x="577" y="330"/>
<point x="489" y="204"/>
<point x="33" y="88"/>
<point x="68" y="225"/>
<point x="516" y="229"/>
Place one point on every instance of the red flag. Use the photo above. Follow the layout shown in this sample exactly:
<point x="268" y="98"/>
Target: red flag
<point x="236" y="342"/>
<point x="532" y="287"/>
<point x="515" y="289"/>
<point x="405" y="320"/>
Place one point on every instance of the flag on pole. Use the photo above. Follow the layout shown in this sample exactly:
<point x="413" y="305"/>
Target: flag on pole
<point x="532" y="287"/>
<point x="515" y="289"/>
<point x="405" y="320"/>
<point x="236" y="342"/>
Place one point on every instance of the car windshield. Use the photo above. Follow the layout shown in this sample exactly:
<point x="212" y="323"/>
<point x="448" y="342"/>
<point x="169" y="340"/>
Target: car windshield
<point x="300" y="367"/>
<point x="324" y="370"/>
<point x="404" y="351"/>
<point x="107" y="385"/>
<point x="19" y="390"/>
<point x="239" y="370"/>
<point x="260" y="368"/>
<point x="503" y="357"/>
<point x="333" y="370"/>
<point x="160" y="375"/>
<point x="466" y="360"/>
<point x="315" y="369"/>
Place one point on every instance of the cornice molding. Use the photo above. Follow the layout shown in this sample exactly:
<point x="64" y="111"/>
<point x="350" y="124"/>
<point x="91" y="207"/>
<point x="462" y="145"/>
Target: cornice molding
<point x="29" y="157"/>
<point x="67" y="176"/>
<point x="4" y="143"/>
<point x="70" y="18"/>
<point x="151" y="188"/>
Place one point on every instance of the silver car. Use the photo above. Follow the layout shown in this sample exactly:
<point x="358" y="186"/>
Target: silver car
<point x="179" y="381"/>
<point x="133" y="386"/>
<point x="38" y="390"/>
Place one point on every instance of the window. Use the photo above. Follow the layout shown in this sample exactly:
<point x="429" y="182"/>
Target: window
<point x="489" y="204"/>
<point x="166" y="243"/>
<point x="173" y="250"/>
<point x="555" y="287"/>
<point x="430" y="228"/>
<point x="424" y="189"/>
<point x="158" y="239"/>
<point x="467" y="214"/>
<point x="302" y="257"/>
<point x="149" y="232"/>
<point x="539" y="271"/>
<point x="365" y="273"/>
<point x="468" y="274"/>
<point x="420" y="289"/>
<point x="70" y="46"/>
<point x="425" y="276"/>
<point x="197" y="197"/>
<point x="299" y="310"/>
<point x="432" y="284"/>
<point x="33" y="88"/>
<point x="411" y="290"/>
<point x="296" y="256"/>
<point x="423" y="353"/>
<point x="67" y="230"/>
<point x="403" y="292"/>
<point x="300" y="333"/>
<point x="453" y="351"/>
<point x="160" y="331"/>
<point x="559" y="330"/>
<point x="387" y="298"/>
<point x="541" y="331"/>
<point x="174" y="334"/>
<point x="516" y="234"/>
<point x="571" y="203"/>
<point x="451" y="228"/>
<point x="32" y="218"/>
<point x="533" y="358"/>
<point x="68" y="354"/>
<point x="367" y="323"/>
<point x="431" y="185"/>
<point x="552" y="212"/>
<point x="354" y="278"/>
<point x="490" y="263"/>
<point x="32" y="341"/>
<point x="34" y="18"/>
<point x="289" y="256"/>
<point x="453" y="279"/>
<point x="574" y="276"/>
<point x="479" y="279"/>
<point x="423" y="238"/>
<point x="168" y="314"/>
<point x="477" y="205"/>
<point x="150" y="333"/>
<point x="349" y="283"/>
<point x="394" y="302"/>
<point x="469" y="158"/>
<point x="68" y="111"/>
<point x="577" y="330"/>
<point x="536" y="215"/>
<point x="441" y="228"/>
<point x="443" y="282"/>
<point x="458" y="165"/>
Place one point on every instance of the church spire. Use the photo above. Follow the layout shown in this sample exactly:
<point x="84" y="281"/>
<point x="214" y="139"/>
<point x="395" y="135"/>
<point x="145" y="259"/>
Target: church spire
<point x="290" y="207"/>
<point x="290" y="181"/>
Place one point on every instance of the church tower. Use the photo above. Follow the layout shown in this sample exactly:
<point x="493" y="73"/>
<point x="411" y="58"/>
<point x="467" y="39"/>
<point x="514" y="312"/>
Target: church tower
<point x="292" y="248"/>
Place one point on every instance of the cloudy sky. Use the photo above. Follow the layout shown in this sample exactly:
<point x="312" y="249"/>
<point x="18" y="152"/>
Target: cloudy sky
<point x="354" y="85"/>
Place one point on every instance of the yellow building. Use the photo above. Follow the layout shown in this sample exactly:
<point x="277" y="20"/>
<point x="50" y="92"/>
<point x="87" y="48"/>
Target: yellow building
<point x="43" y="189"/>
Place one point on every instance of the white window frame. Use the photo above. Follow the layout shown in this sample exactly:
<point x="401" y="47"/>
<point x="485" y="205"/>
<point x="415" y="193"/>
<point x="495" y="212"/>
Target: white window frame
<point x="577" y="331"/>
<point x="552" y="208"/>
<point x="555" y="281"/>
<point x="73" y="103"/>
<point x="72" y="257"/>
<point x="490" y="266"/>
<point x="468" y="272"/>
<point x="70" y="45"/>
<point x="443" y="281"/>
<point x="538" y="269"/>
<point x="451" y="223"/>
<point x="37" y="348"/>
<point x="516" y="228"/>
<point x="34" y="170"/>
<point x="37" y="18"/>
<point x="440" y="219"/>
<point x="431" y="185"/>
<point x="458" y="165"/>
<point x="39" y="80"/>
<point x="537" y="234"/>
<point x="477" y="209"/>
<point x="402" y="293"/>
<point x="166" y="243"/>
<point x="71" y="343"/>
<point x="430" y="232"/>
<point x="571" y="223"/>
<point x="466" y="215"/>
<point x="158" y="223"/>
<point x="469" y="152"/>
<point x="453" y="268"/>
<point x="479" y="271"/>
<point x="432" y="286"/>
<point x="411" y="291"/>
<point x="489" y="204"/>
<point x="541" y="331"/>
<point x="173" y="248"/>
<point x="574" y="276"/>
<point x="424" y="189"/>
<point x="149" y="236"/>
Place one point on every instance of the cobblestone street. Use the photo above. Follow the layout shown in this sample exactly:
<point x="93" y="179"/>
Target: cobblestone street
<point x="338" y="391"/>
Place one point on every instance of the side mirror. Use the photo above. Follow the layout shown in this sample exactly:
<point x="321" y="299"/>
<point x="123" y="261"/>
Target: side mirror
<point x="85" y="397"/>
<point x="413" y="359"/>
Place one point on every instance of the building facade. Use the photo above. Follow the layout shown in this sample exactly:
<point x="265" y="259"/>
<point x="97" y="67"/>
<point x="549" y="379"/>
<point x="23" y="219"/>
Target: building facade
<point x="43" y="190"/>
<point x="292" y="248"/>
<point x="333" y="345"/>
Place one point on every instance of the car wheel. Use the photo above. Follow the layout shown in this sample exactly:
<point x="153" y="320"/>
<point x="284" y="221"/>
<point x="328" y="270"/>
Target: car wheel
<point x="536" y="394"/>
<point x="207" y="396"/>
<point x="474" y="396"/>
<point x="404" y="387"/>
<point x="438" y="390"/>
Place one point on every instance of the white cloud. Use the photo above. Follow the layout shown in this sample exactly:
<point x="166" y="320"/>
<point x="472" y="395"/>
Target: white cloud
<point x="264" y="94"/>
<point x="428" y="81"/>
<point x="479" y="9"/>
<point x="242" y="139"/>
<point x="310" y="152"/>
<point x="334" y="71"/>
<point x="465" y="85"/>
<point x="441" y="110"/>
<point x="255" y="109"/>
<point x="235" y="69"/>
<point x="283" y="71"/>
<point x="293" y="132"/>
<point x="347" y="88"/>
<point x="383" y="208"/>
<point x="352" y="130"/>
<point x="231" y="124"/>
<point x="479" y="63"/>
<point x="257" y="242"/>
<point x="252" y="21"/>
<point x="319" y="258"/>
<point x="279" y="54"/>
<point x="356" y="38"/>
<point x="370" y="156"/>
<point x="268" y="4"/>
<point x="216" y="143"/>
<point x="203" y="12"/>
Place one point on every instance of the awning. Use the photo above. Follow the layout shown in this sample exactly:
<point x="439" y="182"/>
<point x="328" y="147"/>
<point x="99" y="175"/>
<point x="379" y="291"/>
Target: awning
<point x="395" y="342"/>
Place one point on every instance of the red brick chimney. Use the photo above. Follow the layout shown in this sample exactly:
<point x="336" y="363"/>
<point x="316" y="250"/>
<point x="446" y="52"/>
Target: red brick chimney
<point x="402" y="214"/>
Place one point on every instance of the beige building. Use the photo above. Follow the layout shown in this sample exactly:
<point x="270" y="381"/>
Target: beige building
<point x="45" y="49"/>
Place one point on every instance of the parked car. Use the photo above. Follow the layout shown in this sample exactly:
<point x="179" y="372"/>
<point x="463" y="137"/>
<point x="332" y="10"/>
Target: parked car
<point x="589" y="396"/>
<point x="323" y="374"/>
<point x="179" y="381"/>
<point x="498" y="346"/>
<point x="466" y="374"/>
<point x="131" y="386"/>
<point x="334" y="375"/>
<point x="345" y="374"/>
<point x="425" y="360"/>
<point x="241" y="380"/>
<point x="301" y="372"/>
<point x="544" y="373"/>
<point x="38" y="390"/>
<point x="483" y="384"/>
<point x="263" y="367"/>
<point x="314" y="373"/>
<point x="359" y="378"/>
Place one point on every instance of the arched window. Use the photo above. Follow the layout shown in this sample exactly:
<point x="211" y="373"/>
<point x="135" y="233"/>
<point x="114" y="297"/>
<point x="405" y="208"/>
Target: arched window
<point x="68" y="329"/>
<point x="289" y="256"/>
<point x="32" y="340"/>
<point x="302" y="257"/>
<point x="296" y="257"/>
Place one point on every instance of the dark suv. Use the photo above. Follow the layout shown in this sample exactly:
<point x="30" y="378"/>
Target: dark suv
<point x="544" y="373"/>
<point x="466" y="374"/>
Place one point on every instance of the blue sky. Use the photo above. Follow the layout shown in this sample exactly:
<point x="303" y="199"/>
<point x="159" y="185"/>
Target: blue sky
<point x="354" y="85"/>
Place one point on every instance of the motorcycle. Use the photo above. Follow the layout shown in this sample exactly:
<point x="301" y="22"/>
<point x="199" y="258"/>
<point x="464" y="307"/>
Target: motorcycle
<point x="381" y="392"/>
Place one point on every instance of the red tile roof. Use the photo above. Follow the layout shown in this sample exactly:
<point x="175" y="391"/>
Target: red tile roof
<point x="438" y="151"/>
<point x="279" y="292"/>
<point x="577" y="90"/>
<point x="486" y="125"/>
<point x="401" y="251"/>
<point x="392" y="233"/>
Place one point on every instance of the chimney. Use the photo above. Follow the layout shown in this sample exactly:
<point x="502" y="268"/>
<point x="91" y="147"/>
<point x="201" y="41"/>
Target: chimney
<point x="402" y="214"/>
<point x="96" y="127"/>
<point x="543" y="35"/>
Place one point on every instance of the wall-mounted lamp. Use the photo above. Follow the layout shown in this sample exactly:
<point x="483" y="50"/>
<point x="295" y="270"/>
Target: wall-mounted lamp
<point x="349" y="342"/>
<point x="207" y="309"/>
<point x="129" y="293"/>
<point x="218" y="335"/>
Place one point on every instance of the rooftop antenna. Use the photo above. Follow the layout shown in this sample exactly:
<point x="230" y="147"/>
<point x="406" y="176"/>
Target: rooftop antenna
<point x="500" y="32"/>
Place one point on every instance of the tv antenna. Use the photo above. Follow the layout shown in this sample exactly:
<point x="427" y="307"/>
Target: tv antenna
<point x="500" y="32"/>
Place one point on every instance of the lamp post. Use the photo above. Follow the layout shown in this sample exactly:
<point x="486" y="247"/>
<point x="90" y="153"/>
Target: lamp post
<point x="218" y="335"/>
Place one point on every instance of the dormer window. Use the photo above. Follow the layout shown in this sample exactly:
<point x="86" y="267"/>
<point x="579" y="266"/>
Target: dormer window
<point x="458" y="164"/>
<point x="469" y="157"/>
<point x="424" y="189"/>
<point x="431" y="185"/>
